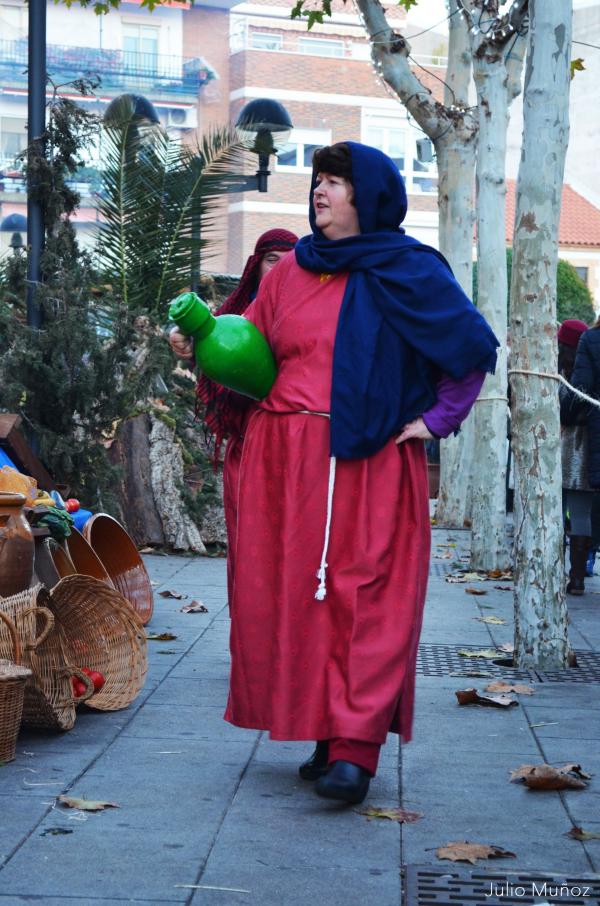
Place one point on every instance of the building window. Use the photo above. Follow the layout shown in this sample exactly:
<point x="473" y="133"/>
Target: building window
<point x="397" y="138"/>
<point x="297" y="155"/>
<point x="140" y="48"/>
<point x="583" y="274"/>
<point x="13" y="139"/>
<point x="321" y="47"/>
<point x="261" y="40"/>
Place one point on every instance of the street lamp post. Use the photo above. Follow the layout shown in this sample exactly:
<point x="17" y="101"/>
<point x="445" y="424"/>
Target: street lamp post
<point x="36" y="123"/>
<point x="264" y="127"/>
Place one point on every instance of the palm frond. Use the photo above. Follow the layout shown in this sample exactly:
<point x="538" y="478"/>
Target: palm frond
<point x="160" y="207"/>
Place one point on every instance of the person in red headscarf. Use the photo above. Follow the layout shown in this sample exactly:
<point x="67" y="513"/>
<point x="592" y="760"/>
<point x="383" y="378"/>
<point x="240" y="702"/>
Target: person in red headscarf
<point x="226" y="412"/>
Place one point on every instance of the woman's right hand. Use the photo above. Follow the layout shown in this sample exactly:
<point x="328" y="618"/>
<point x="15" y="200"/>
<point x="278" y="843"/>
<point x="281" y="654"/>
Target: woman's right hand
<point x="181" y="345"/>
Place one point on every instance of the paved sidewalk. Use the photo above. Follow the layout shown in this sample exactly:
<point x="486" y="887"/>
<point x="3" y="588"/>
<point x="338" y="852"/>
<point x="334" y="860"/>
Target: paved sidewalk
<point x="210" y="814"/>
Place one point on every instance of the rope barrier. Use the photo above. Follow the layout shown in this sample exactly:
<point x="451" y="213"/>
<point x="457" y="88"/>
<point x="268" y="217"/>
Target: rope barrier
<point x="561" y="379"/>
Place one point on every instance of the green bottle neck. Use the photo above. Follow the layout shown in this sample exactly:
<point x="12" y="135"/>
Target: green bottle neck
<point x="192" y="315"/>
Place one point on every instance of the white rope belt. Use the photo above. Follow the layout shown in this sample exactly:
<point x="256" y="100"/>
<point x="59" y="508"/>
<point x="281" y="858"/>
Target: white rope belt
<point x="321" y="591"/>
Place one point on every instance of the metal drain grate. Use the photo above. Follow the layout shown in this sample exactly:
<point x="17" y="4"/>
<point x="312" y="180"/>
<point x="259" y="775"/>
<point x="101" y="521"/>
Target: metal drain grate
<point x="441" y="660"/>
<point x="424" y="886"/>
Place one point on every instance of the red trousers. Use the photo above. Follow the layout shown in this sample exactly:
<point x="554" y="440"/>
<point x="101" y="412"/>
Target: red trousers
<point x="364" y="754"/>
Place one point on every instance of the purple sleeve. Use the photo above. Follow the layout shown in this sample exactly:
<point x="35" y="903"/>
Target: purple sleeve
<point x="454" y="401"/>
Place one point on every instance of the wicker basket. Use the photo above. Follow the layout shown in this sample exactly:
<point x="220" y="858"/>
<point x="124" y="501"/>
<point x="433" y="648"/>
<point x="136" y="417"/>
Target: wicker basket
<point x="49" y="702"/>
<point x="12" y="691"/>
<point x="102" y="632"/>
<point x="121" y="559"/>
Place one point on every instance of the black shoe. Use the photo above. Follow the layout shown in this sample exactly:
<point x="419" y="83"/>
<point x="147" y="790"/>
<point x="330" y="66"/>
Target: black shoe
<point x="316" y="766"/>
<point x="345" y="781"/>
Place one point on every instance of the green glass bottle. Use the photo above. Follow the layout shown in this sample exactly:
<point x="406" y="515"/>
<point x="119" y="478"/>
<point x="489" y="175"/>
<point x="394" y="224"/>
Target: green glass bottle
<point x="228" y="349"/>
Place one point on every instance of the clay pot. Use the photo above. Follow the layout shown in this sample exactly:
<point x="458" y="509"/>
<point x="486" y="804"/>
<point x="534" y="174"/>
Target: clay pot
<point x="122" y="561"/>
<point x="16" y="545"/>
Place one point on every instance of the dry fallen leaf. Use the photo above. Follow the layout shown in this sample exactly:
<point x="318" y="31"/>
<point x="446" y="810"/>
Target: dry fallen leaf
<point x="488" y="653"/>
<point x="578" y="833"/>
<point x="194" y="607"/>
<point x="463" y="851"/>
<point x="172" y="594"/>
<point x="545" y="777"/>
<point x="392" y="814"/>
<point x="500" y="574"/>
<point x="501" y="686"/>
<point x="495" y="621"/>
<point x="86" y="805"/>
<point x="503" y="587"/>
<point x="161" y="637"/>
<point x="475" y="591"/>
<point x="472" y="697"/>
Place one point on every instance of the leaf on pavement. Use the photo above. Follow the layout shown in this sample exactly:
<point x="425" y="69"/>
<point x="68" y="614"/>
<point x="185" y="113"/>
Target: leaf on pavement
<point x="503" y="587"/>
<point x="56" y="831"/>
<point x="475" y="591"/>
<point x="501" y="686"/>
<point x="86" y="805"/>
<point x="172" y="594"/>
<point x="463" y="851"/>
<point x="392" y="814"/>
<point x="472" y="697"/>
<point x="545" y="777"/>
<point x="495" y="621"/>
<point x="194" y="607"/>
<point x="488" y="653"/>
<point x="578" y="833"/>
<point x="499" y="574"/>
<point x="161" y="637"/>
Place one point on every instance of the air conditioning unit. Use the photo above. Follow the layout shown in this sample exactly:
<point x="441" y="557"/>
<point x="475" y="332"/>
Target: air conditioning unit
<point x="182" y="117"/>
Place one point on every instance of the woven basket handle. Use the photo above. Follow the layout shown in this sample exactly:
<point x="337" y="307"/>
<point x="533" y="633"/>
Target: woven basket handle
<point x="89" y="686"/>
<point x="14" y="636"/>
<point x="49" y="626"/>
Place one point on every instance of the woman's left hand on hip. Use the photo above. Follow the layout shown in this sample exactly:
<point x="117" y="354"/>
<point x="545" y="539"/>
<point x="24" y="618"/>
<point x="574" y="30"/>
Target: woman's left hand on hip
<point x="415" y="429"/>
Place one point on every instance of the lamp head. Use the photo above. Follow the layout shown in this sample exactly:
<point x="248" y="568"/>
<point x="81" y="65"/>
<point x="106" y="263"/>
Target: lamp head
<point x="264" y="126"/>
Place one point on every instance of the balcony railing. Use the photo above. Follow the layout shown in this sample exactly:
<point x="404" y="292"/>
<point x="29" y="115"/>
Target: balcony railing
<point x="118" y="70"/>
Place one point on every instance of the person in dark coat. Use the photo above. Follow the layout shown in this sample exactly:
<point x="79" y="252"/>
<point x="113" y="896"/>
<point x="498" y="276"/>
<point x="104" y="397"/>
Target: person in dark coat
<point x="577" y="494"/>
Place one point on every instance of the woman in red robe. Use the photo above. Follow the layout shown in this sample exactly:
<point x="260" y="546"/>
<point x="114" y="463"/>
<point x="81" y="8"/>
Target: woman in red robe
<point x="332" y="551"/>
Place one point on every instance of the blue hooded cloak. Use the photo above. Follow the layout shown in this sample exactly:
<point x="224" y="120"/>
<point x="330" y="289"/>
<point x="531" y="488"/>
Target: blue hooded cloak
<point x="403" y="320"/>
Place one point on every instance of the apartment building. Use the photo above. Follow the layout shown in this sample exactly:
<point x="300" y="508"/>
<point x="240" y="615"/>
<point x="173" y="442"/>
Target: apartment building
<point x="326" y="81"/>
<point x="158" y="55"/>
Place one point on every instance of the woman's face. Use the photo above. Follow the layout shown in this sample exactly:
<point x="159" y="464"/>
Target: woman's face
<point x="335" y="215"/>
<point x="269" y="260"/>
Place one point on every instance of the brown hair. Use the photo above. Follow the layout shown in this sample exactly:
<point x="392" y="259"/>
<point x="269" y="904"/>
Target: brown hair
<point x="334" y="159"/>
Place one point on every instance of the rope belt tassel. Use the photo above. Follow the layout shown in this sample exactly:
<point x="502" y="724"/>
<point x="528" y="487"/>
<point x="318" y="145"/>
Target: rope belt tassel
<point x="321" y="591"/>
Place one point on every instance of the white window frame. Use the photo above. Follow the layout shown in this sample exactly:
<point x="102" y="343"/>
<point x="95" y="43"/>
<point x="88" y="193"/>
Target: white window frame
<point x="316" y="47"/>
<point x="300" y="138"/>
<point x="412" y="176"/>
<point x="270" y="37"/>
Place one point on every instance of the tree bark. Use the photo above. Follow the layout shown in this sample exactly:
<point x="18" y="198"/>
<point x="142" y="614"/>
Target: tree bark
<point x="131" y="452"/>
<point x="496" y="57"/>
<point x="540" y="609"/>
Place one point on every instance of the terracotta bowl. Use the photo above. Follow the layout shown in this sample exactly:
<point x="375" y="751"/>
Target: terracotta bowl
<point x="122" y="562"/>
<point x="61" y="558"/>
<point x="85" y="560"/>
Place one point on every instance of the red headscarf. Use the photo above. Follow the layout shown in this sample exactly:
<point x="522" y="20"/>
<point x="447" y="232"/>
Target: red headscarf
<point x="224" y="408"/>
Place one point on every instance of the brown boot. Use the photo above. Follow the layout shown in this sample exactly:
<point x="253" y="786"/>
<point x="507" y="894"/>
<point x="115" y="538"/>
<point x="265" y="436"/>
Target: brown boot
<point x="579" y="546"/>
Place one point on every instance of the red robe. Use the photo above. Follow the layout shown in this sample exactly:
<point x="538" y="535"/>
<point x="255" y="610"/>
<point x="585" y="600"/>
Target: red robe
<point x="345" y="666"/>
